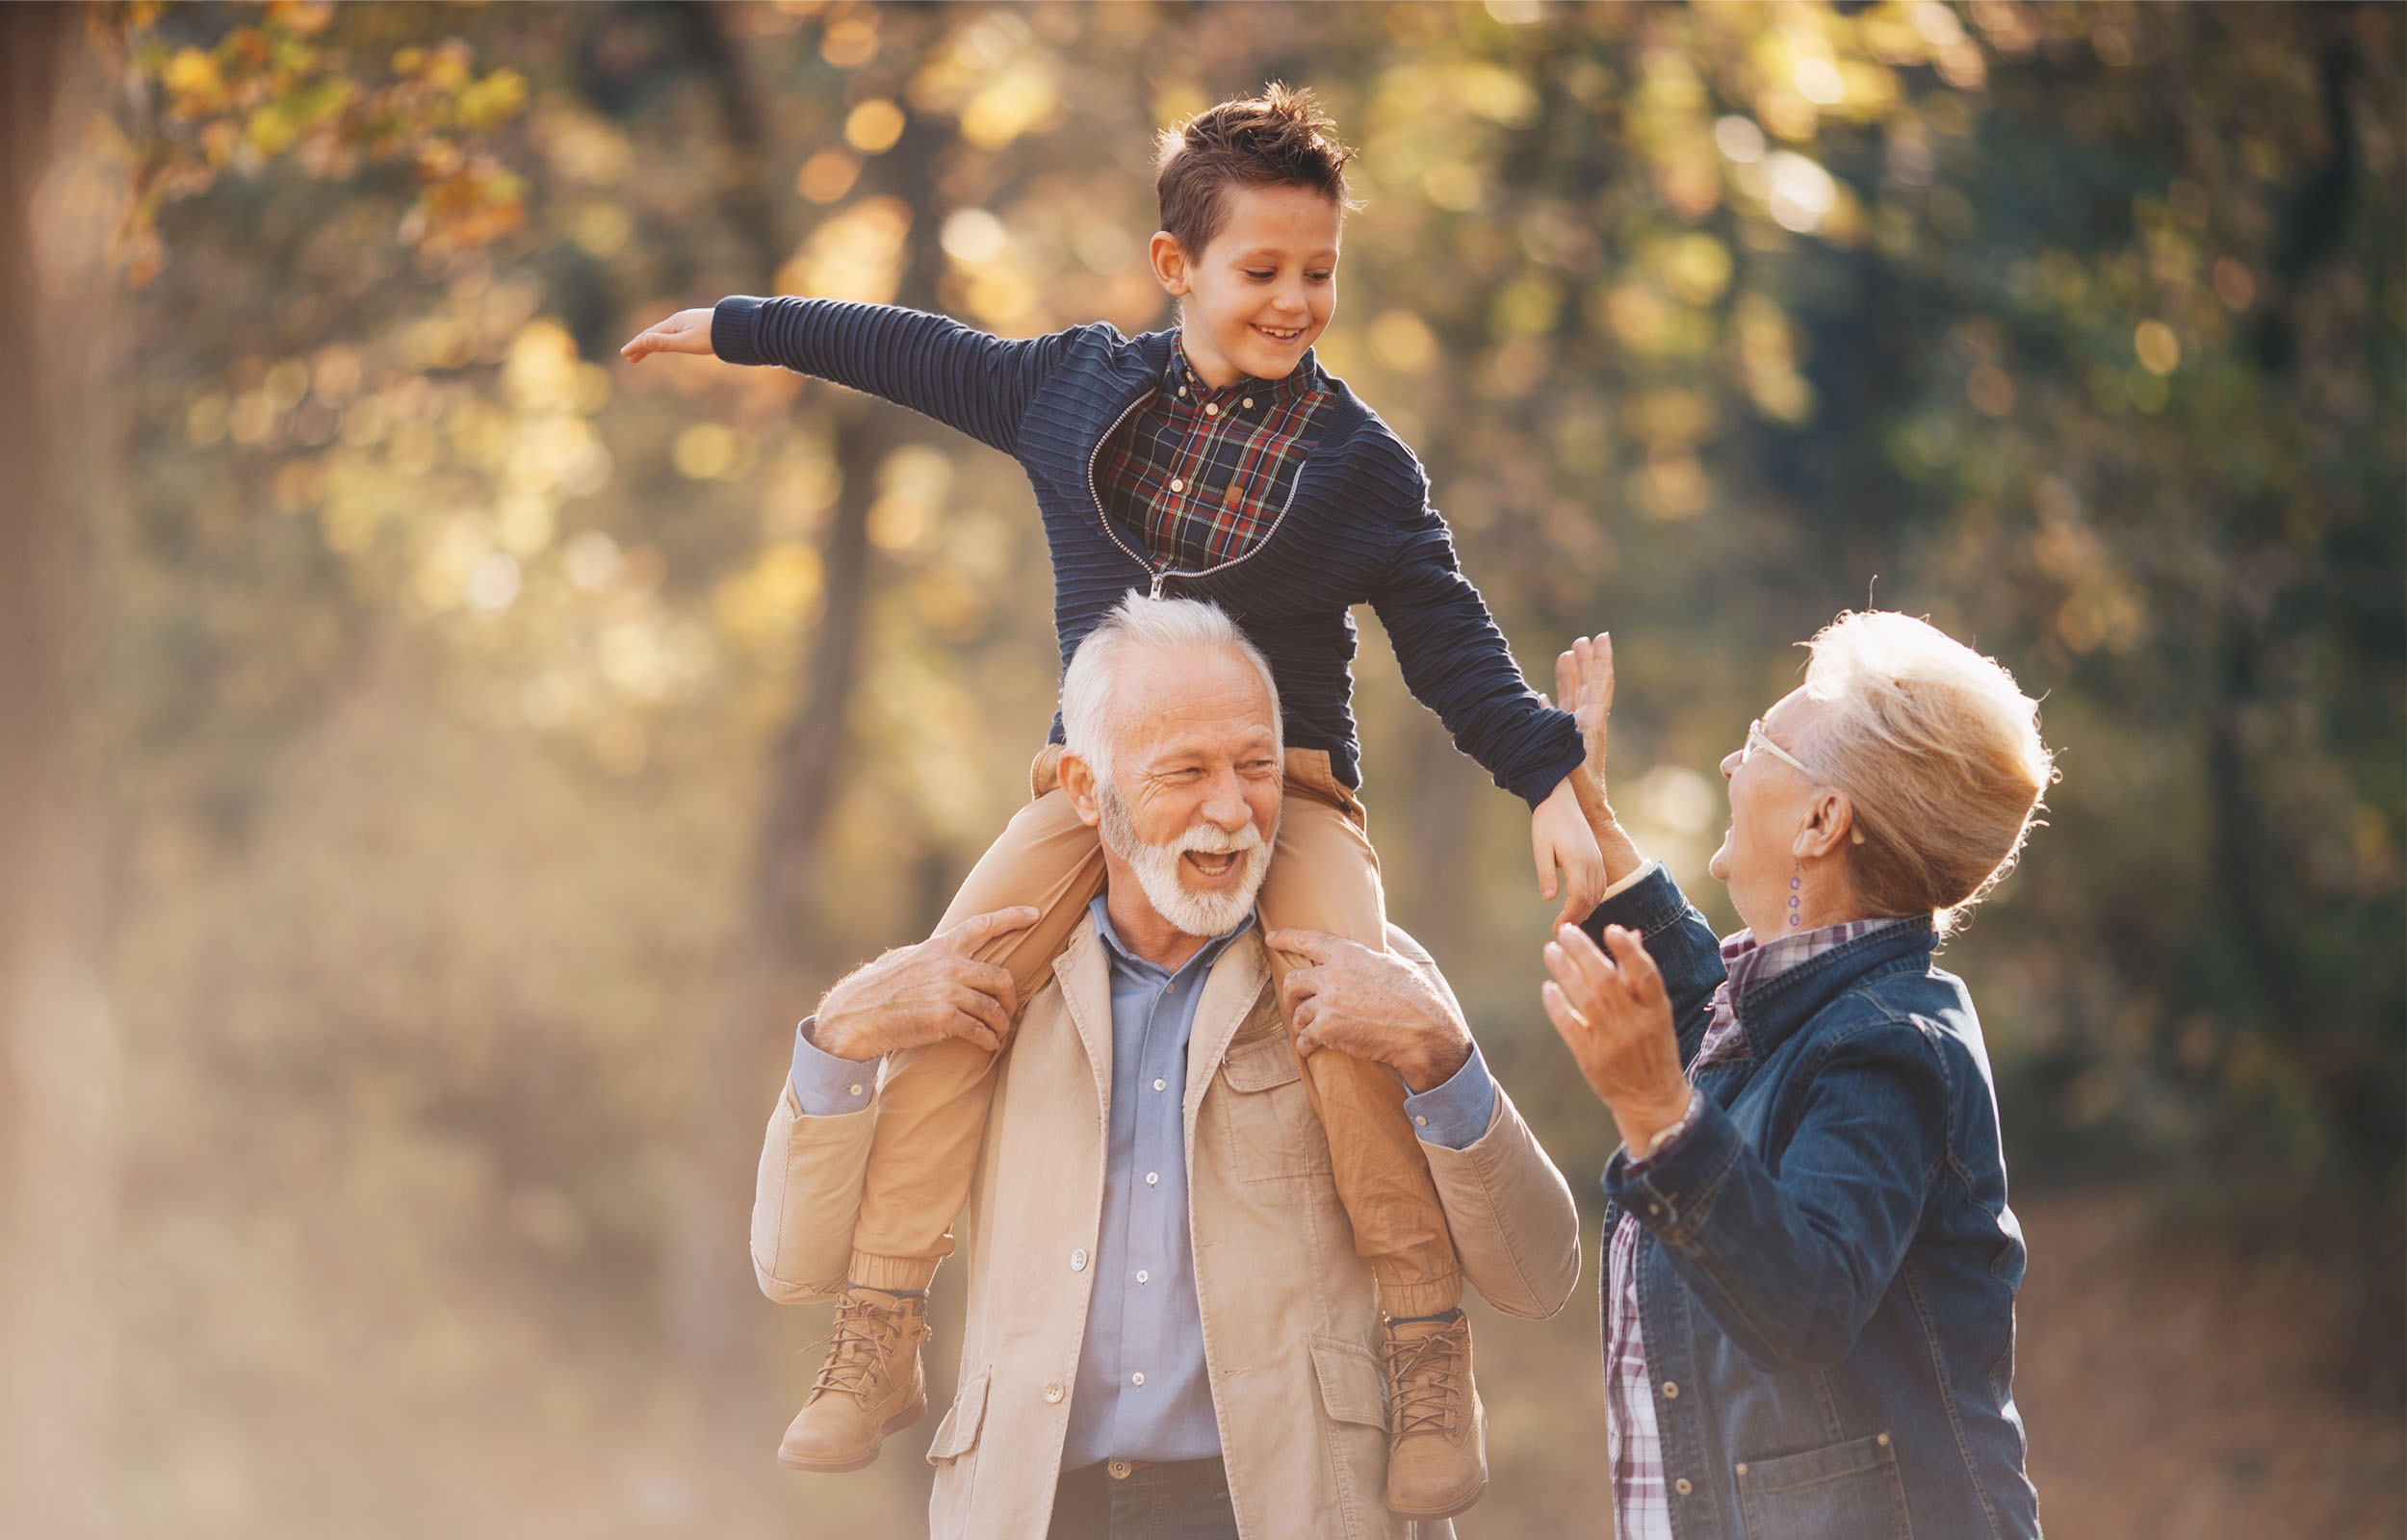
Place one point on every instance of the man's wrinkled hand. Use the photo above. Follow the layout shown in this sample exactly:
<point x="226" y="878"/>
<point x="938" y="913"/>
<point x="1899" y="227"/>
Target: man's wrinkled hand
<point x="1369" y="1004"/>
<point x="916" y="995"/>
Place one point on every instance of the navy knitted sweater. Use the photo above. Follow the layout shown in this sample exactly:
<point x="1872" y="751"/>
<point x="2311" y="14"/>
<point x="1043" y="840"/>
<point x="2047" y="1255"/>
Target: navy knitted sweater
<point x="1357" y="527"/>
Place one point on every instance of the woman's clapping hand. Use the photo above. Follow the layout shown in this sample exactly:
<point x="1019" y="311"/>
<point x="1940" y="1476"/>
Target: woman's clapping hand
<point x="1610" y="1009"/>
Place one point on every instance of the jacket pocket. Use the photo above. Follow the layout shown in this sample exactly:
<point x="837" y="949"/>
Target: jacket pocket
<point x="1353" y="1390"/>
<point x="1849" y="1491"/>
<point x="1272" y="1132"/>
<point x="1354" y="1393"/>
<point x="958" y="1433"/>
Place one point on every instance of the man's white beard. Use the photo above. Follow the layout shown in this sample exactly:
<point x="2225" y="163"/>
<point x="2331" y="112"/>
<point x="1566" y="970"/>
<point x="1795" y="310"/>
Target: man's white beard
<point x="1157" y="868"/>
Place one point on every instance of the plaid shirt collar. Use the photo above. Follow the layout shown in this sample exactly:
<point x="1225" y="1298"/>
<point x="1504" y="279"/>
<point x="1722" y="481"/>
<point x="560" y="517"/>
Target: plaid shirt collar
<point x="1748" y="962"/>
<point x="1185" y="391"/>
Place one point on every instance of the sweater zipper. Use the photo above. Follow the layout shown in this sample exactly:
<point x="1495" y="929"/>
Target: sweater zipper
<point x="1162" y="575"/>
<point x="1094" y="456"/>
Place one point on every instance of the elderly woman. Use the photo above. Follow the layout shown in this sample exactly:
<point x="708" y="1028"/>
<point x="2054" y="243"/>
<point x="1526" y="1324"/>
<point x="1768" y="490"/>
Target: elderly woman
<point x="1811" y="1267"/>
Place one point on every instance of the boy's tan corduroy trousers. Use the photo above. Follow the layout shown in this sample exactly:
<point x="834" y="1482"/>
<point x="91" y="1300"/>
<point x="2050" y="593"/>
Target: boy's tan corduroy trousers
<point x="931" y="1109"/>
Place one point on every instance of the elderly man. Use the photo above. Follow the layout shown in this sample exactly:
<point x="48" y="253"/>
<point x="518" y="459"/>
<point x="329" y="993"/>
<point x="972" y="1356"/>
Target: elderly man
<point x="1170" y="1334"/>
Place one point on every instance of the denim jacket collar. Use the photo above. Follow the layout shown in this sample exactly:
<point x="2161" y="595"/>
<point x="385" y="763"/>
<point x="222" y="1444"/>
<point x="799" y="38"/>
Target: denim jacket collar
<point x="1771" y="1013"/>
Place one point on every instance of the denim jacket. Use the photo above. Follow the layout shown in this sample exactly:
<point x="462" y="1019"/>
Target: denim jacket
<point x="1828" y="1273"/>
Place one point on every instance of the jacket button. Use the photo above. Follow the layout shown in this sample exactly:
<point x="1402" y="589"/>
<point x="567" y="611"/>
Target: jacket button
<point x="1120" y="1470"/>
<point x="1682" y="1487"/>
<point x="1052" y="1393"/>
<point x="1883" y="1441"/>
<point x="1671" y="1390"/>
<point x="1742" y="1467"/>
<point x="1078" y="1260"/>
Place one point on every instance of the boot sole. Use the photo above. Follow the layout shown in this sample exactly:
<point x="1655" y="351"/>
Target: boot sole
<point x="854" y="1462"/>
<point x="1444" y="1510"/>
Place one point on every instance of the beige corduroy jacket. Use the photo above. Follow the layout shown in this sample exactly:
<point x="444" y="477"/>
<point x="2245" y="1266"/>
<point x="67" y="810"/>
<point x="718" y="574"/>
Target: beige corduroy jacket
<point x="1290" y="1314"/>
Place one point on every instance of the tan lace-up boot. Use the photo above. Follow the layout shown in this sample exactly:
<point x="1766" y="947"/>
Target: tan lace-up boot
<point x="871" y="1384"/>
<point x="1437" y="1431"/>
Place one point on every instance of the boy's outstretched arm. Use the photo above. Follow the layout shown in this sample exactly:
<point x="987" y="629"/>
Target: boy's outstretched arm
<point x="932" y="364"/>
<point x="1455" y="662"/>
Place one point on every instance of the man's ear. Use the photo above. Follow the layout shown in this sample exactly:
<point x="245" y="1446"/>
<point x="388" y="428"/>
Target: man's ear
<point x="1170" y="262"/>
<point x="1078" y="784"/>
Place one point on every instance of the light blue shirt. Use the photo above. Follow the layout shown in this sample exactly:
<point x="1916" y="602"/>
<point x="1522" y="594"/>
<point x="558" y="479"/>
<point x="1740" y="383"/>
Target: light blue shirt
<point x="1143" y="1390"/>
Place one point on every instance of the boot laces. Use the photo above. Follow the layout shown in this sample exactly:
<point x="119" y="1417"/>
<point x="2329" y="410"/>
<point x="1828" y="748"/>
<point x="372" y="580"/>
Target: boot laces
<point x="865" y="1340"/>
<point x="1425" y="1375"/>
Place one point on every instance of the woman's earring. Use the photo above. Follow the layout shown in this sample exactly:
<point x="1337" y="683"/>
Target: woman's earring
<point x="1796" y="881"/>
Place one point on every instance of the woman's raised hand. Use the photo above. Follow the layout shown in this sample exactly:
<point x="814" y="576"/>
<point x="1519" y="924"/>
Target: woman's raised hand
<point x="689" y="331"/>
<point x="1584" y="683"/>
<point x="1610" y="1009"/>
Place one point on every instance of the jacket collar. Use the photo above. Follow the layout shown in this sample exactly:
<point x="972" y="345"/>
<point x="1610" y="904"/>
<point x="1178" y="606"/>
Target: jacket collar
<point x="1769" y="1013"/>
<point x="1230" y="991"/>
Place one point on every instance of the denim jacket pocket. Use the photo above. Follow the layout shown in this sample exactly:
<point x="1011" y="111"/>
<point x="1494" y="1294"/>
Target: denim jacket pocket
<point x="1849" y="1491"/>
<point x="958" y="1433"/>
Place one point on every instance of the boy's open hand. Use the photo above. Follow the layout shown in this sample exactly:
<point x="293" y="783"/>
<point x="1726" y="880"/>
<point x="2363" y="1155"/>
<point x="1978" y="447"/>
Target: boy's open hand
<point x="689" y="331"/>
<point x="1560" y="836"/>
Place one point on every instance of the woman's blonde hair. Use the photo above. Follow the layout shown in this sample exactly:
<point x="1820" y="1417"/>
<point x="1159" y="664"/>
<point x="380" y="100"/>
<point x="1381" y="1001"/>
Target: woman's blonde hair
<point x="1937" y="748"/>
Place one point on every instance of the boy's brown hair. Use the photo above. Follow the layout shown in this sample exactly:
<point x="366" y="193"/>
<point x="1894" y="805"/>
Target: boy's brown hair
<point x="1278" y="138"/>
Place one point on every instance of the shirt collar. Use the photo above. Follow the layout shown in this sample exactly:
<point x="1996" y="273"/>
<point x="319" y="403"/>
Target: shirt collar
<point x="1299" y="380"/>
<point x="1101" y="909"/>
<point x="1750" y="962"/>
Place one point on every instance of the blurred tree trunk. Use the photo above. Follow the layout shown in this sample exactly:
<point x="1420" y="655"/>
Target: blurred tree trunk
<point x="57" y="1072"/>
<point x="713" y="1300"/>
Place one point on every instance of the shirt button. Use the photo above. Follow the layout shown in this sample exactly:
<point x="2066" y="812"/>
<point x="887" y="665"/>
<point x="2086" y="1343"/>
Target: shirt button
<point x="1161" y="1084"/>
<point x="1248" y="402"/>
<point x="1742" y="1468"/>
<point x="1671" y="1390"/>
<point x="855" y="1090"/>
<point x="1210" y="409"/>
<point x="1078" y="1260"/>
<point x="1144" y="1276"/>
<point x="1138" y="1378"/>
<point x="1682" y="1487"/>
<point x="1883" y="1441"/>
<point x="1052" y="1393"/>
<point x="1120" y="1470"/>
<point x="1152" y="1177"/>
<point x="1418" y="1121"/>
<point x="1178" y="484"/>
<point x="1182" y="390"/>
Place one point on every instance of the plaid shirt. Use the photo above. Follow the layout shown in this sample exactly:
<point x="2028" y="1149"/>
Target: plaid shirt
<point x="1642" y="1506"/>
<point x="1200" y="475"/>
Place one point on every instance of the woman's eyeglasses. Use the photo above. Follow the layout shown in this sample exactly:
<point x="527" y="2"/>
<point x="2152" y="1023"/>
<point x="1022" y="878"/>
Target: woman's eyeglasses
<point x="1757" y="738"/>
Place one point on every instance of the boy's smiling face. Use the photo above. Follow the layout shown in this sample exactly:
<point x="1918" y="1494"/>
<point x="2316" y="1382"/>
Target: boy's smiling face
<point x="1263" y="289"/>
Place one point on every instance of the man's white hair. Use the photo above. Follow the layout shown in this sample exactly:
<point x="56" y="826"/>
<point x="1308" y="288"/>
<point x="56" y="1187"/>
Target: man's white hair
<point x="1183" y="625"/>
